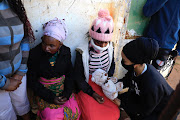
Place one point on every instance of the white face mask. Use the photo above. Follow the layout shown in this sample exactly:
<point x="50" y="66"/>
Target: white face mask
<point x="98" y="49"/>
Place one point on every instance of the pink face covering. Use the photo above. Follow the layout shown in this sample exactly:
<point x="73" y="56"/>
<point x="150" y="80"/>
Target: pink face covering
<point x="56" y="28"/>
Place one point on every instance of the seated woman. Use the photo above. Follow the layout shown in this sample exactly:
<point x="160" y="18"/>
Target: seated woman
<point x="96" y="53"/>
<point x="148" y="91"/>
<point x="49" y="74"/>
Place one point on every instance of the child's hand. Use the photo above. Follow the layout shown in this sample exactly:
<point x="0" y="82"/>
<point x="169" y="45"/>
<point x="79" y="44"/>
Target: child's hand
<point x="117" y="101"/>
<point x="60" y="100"/>
<point x="98" y="98"/>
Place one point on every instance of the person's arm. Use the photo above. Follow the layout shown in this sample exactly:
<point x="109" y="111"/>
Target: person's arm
<point x="153" y="6"/>
<point x="147" y="102"/>
<point x="170" y="111"/>
<point x="126" y="79"/>
<point x="9" y="84"/>
<point x="80" y="77"/>
<point x="4" y="82"/>
<point x="32" y="79"/>
<point x="68" y="83"/>
<point x="112" y="68"/>
<point x="22" y="70"/>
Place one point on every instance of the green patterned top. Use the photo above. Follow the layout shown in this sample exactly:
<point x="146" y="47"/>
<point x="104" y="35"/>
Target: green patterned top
<point x="52" y="60"/>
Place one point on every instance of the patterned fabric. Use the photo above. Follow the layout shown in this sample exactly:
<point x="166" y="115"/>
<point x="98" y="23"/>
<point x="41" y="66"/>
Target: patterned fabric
<point x="56" y="88"/>
<point x="52" y="60"/>
<point x="67" y="111"/>
<point x="14" y="49"/>
<point x="68" y="114"/>
<point x="98" y="61"/>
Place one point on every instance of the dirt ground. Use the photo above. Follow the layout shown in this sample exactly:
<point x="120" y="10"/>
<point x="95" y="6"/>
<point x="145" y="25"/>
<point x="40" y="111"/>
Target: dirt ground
<point x="174" y="77"/>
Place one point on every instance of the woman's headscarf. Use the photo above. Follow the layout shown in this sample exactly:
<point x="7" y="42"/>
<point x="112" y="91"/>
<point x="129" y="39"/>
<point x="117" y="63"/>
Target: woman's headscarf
<point x="56" y="28"/>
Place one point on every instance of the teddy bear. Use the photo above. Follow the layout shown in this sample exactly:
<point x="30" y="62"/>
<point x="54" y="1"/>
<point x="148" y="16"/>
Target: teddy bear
<point x="99" y="76"/>
<point x="110" y="86"/>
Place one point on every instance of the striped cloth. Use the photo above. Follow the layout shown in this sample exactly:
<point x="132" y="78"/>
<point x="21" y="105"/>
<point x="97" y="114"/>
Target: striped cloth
<point x="98" y="61"/>
<point x="14" y="48"/>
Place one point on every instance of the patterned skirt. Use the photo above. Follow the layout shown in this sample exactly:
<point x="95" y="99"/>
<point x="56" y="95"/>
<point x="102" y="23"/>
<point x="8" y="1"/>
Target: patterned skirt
<point x="67" y="111"/>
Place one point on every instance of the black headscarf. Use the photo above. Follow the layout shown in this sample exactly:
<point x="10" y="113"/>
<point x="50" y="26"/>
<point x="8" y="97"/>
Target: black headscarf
<point x="141" y="50"/>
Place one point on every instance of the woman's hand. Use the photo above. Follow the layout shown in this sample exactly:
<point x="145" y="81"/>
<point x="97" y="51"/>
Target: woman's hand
<point x="60" y="100"/>
<point x="14" y="84"/>
<point x="98" y="98"/>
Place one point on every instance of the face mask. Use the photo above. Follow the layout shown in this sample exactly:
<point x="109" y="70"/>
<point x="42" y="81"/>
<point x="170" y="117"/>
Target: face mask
<point x="127" y="67"/>
<point x="97" y="48"/>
